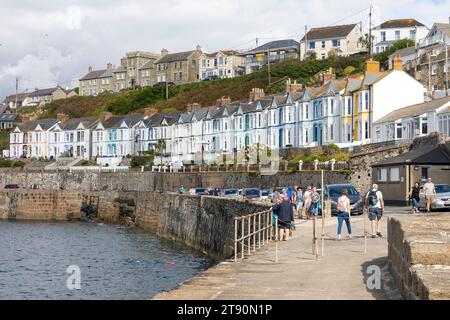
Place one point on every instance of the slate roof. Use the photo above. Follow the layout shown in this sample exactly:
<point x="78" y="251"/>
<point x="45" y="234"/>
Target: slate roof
<point x="31" y="125"/>
<point x="178" y="56"/>
<point x="20" y="97"/>
<point x="43" y="92"/>
<point x="148" y="65"/>
<point x="97" y="74"/>
<point x="72" y="124"/>
<point x="9" y="117"/>
<point x="340" y="31"/>
<point x="403" y="52"/>
<point x="3" y="108"/>
<point x="273" y="45"/>
<point x="414" y="110"/>
<point x="432" y="155"/>
<point x="116" y="121"/>
<point x="444" y="27"/>
<point x="400" y="23"/>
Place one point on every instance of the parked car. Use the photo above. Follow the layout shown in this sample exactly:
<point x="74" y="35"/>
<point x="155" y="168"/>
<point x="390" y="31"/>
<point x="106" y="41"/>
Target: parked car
<point x="163" y="83"/>
<point x="198" y="191"/>
<point x="13" y="186"/>
<point x="214" y="191"/>
<point x="214" y="77"/>
<point x="230" y="192"/>
<point x="250" y="193"/>
<point x="264" y="194"/>
<point x="334" y="191"/>
<point x="441" y="201"/>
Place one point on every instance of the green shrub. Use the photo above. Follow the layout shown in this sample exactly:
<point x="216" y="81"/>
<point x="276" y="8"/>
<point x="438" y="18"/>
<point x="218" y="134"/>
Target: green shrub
<point x="5" y="163"/>
<point x="18" y="163"/>
<point x="139" y="161"/>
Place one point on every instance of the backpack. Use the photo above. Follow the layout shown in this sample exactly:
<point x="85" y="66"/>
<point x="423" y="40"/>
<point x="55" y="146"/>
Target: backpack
<point x="372" y="198"/>
<point x="340" y="206"/>
<point x="315" y="198"/>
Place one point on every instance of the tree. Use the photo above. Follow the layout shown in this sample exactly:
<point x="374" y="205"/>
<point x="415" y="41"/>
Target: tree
<point x="364" y="41"/>
<point x="161" y="147"/>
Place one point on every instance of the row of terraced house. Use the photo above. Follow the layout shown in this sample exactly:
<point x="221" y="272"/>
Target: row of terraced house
<point x="350" y="111"/>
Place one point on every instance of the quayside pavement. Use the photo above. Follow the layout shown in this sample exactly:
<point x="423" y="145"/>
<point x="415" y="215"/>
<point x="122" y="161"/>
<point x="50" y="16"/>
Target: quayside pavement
<point x="342" y="273"/>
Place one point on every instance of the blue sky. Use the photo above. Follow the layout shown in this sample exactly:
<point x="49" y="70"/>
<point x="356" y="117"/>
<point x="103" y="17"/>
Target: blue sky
<point x="47" y="42"/>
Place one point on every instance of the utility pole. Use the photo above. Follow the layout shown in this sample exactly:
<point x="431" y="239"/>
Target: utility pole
<point x="446" y="69"/>
<point x="370" y="31"/>
<point x="167" y="85"/>
<point x="268" y="66"/>
<point x="256" y="40"/>
<point x="306" y="40"/>
<point x="17" y="91"/>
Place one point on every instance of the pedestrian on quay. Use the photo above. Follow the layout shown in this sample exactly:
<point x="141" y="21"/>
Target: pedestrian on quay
<point x="298" y="201"/>
<point x="314" y="206"/>
<point x="414" y="195"/>
<point x="375" y="204"/>
<point x="275" y="195"/>
<point x="285" y="218"/>
<point x="306" y="202"/>
<point x="285" y="194"/>
<point x="343" y="207"/>
<point x="181" y="189"/>
<point x="275" y="202"/>
<point x="429" y="192"/>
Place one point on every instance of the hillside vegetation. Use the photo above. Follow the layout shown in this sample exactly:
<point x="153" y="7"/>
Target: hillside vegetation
<point x="207" y="92"/>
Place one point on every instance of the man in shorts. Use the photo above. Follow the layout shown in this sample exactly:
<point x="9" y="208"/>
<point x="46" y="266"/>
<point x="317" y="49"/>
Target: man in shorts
<point x="429" y="192"/>
<point x="375" y="203"/>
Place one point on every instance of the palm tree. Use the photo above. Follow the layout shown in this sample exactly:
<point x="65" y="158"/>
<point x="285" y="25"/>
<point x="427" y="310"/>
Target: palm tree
<point x="161" y="147"/>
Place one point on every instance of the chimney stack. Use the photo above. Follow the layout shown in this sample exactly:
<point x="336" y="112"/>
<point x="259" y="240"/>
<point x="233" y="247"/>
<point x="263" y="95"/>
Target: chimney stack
<point x="90" y="68"/>
<point x="293" y="86"/>
<point x="372" y="66"/>
<point x="150" y="111"/>
<point x="109" y="66"/>
<point x="397" y="63"/>
<point x="223" y="101"/>
<point x="193" y="106"/>
<point x="256" y="93"/>
<point x="62" y="117"/>
<point x="328" y="75"/>
<point x="105" y="115"/>
<point x="198" y="48"/>
<point x="164" y="52"/>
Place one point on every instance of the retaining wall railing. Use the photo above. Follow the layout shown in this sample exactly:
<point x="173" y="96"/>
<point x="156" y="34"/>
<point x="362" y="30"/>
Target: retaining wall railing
<point x="251" y="232"/>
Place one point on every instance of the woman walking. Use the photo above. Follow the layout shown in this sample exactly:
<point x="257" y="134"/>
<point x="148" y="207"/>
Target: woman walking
<point x="414" y="195"/>
<point x="343" y="206"/>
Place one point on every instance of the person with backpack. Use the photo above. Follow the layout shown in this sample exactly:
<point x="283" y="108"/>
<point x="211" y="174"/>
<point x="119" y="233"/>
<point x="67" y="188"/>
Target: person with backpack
<point x="343" y="207"/>
<point x="314" y="206"/>
<point x="375" y="204"/>
<point x="285" y="217"/>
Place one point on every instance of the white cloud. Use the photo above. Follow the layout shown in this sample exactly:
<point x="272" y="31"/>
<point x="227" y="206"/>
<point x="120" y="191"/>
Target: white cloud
<point x="55" y="41"/>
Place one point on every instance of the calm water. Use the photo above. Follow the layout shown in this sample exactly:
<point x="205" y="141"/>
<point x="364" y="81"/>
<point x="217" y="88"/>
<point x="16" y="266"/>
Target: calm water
<point x="116" y="262"/>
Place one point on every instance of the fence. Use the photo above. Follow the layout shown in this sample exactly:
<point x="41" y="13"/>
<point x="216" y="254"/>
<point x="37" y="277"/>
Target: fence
<point x="99" y="169"/>
<point x="251" y="232"/>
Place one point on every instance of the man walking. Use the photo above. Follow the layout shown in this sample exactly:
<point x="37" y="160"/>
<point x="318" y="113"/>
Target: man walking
<point x="429" y="193"/>
<point x="285" y="217"/>
<point x="375" y="203"/>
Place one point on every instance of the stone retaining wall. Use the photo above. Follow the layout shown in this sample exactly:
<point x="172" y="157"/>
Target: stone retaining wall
<point x="419" y="255"/>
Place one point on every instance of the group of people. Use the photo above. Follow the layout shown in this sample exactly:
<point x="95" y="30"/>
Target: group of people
<point x="428" y="191"/>
<point x="294" y="202"/>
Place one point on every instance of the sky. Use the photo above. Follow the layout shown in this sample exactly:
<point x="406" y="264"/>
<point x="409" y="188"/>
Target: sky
<point x="47" y="42"/>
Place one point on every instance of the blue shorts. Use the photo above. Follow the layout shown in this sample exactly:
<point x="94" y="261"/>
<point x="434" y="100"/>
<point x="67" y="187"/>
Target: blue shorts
<point x="375" y="213"/>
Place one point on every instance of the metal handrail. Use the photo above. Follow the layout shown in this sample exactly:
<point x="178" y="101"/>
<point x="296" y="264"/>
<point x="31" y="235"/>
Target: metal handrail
<point x="252" y="228"/>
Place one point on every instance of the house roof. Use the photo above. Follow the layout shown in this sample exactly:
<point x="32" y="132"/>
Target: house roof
<point x="31" y="125"/>
<point x="96" y="74"/>
<point x="120" y="69"/>
<point x="3" y="108"/>
<point x="400" y="23"/>
<point x="43" y="92"/>
<point x="340" y="31"/>
<point x="353" y="85"/>
<point x="148" y="65"/>
<point x="403" y="52"/>
<point x="278" y="44"/>
<point x="432" y="155"/>
<point x="414" y="110"/>
<point x="20" y="97"/>
<point x="9" y="117"/>
<point x="72" y="124"/>
<point x="177" y="56"/>
<point x="444" y="27"/>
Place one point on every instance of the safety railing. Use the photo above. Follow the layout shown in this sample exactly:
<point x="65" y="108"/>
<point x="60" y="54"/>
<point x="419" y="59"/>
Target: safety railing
<point x="251" y="232"/>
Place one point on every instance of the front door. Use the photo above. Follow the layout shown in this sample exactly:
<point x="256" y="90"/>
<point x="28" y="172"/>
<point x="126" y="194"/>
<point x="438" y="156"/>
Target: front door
<point x="280" y="138"/>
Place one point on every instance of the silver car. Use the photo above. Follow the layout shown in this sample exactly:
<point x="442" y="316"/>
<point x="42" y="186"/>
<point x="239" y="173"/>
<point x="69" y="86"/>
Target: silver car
<point x="442" y="199"/>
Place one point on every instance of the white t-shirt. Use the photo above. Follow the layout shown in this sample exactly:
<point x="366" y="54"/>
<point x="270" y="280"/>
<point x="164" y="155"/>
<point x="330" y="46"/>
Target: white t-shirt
<point x="345" y="202"/>
<point x="428" y="188"/>
<point x="379" y="197"/>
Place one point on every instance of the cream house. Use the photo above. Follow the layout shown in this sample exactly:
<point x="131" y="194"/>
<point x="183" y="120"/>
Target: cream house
<point x="342" y="40"/>
<point x="221" y="64"/>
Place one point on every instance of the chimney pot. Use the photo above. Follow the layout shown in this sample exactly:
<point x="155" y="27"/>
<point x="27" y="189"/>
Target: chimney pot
<point x="397" y="63"/>
<point x="90" y="68"/>
<point x="372" y="66"/>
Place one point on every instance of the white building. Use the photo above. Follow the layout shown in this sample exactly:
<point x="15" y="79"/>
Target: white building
<point x="416" y="120"/>
<point x="221" y="64"/>
<point x="391" y="31"/>
<point x="342" y="40"/>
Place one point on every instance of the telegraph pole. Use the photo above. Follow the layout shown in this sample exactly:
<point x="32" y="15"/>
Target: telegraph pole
<point x="306" y="40"/>
<point x="370" y="31"/>
<point x="256" y="40"/>
<point x="167" y="85"/>
<point x="17" y="91"/>
<point x="446" y="69"/>
<point x="268" y="66"/>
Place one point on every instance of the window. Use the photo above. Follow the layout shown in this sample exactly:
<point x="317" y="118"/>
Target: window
<point x="444" y="124"/>
<point x="382" y="175"/>
<point x="336" y="43"/>
<point x="306" y="135"/>
<point x="398" y="131"/>
<point x="322" y="56"/>
<point x="331" y="132"/>
<point x="383" y="35"/>
<point x="366" y="130"/>
<point x="412" y="34"/>
<point x="312" y="45"/>
<point x="349" y="106"/>
<point x="434" y="68"/>
<point x="394" y="174"/>
<point x="424" y="173"/>
<point x="220" y="61"/>
<point x="424" y="129"/>
<point x="323" y="44"/>
<point x="203" y="63"/>
<point x="366" y="101"/>
<point x="397" y="34"/>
